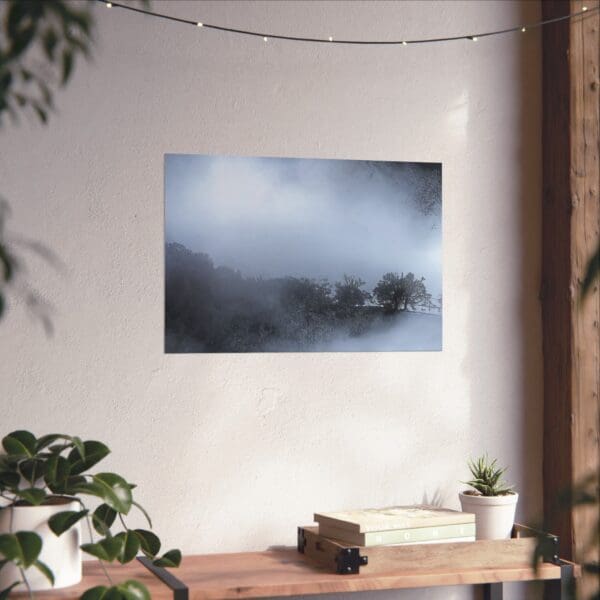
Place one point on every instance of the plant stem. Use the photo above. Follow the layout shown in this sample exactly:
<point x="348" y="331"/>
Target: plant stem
<point x="26" y="583"/>
<point x="89" y="524"/>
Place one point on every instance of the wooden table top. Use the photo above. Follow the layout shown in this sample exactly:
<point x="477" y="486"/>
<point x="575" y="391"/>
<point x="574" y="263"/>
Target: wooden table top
<point x="285" y="572"/>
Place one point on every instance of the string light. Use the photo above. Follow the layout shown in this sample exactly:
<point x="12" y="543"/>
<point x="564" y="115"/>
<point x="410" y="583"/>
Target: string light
<point x="330" y="39"/>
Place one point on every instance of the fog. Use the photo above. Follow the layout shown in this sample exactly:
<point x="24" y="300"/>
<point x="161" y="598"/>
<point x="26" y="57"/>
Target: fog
<point x="280" y="255"/>
<point x="277" y="217"/>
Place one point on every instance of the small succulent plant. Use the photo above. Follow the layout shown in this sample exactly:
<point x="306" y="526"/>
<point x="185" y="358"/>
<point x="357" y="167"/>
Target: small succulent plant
<point x="487" y="477"/>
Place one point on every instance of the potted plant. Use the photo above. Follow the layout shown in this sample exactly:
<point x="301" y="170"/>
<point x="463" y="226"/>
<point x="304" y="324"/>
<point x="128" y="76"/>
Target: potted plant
<point x="44" y="483"/>
<point x="491" y="500"/>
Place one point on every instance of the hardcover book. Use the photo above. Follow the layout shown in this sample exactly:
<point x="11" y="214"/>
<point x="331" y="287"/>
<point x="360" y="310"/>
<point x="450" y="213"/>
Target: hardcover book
<point x="400" y="536"/>
<point x="393" y="517"/>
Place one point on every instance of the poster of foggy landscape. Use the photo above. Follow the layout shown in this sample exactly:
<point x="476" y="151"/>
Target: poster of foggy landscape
<point x="302" y="255"/>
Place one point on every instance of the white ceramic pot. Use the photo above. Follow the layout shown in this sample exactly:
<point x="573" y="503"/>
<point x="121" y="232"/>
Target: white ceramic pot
<point x="61" y="553"/>
<point x="494" y="515"/>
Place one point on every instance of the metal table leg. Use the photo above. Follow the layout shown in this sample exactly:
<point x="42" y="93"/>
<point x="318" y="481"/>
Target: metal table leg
<point x="492" y="591"/>
<point x="563" y="588"/>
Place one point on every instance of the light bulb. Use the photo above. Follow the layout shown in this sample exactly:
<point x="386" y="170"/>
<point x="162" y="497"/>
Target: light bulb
<point x="330" y="38"/>
<point x="108" y="5"/>
<point x="404" y="43"/>
<point x="474" y="38"/>
<point x="523" y="29"/>
<point x="584" y="8"/>
<point x="200" y="24"/>
<point x="266" y="39"/>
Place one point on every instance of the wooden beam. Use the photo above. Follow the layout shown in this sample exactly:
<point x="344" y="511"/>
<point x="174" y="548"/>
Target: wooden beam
<point x="571" y="233"/>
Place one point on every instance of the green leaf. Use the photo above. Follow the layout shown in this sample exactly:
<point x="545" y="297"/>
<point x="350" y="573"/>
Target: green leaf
<point x="9" y="480"/>
<point x="107" y="549"/>
<point x="63" y="521"/>
<point x="103" y="518"/>
<point x="172" y="558"/>
<point x="20" y="443"/>
<point x="115" y="491"/>
<point x="5" y="593"/>
<point x="93" y="453"/>
<point x="85" y="487"/>
<point x="128" y="590"/>
<point x="134" y="590"/>
<point x="79" y="445"/>
<point x="95" y="593"/>
<point x="32" y="469"/>
<point x="22" y="547"/>
<point x="46" y="440"/>
<point x="111" y="488"/>
<point x="72" y="482"/>
<point x="149" y="542"/>
<point x="45" y="570"/>
<point x="131" y="546"/>
<point x="8" y="463"/>
<point x="57" y="473"/>
<point x="34" y="496"/>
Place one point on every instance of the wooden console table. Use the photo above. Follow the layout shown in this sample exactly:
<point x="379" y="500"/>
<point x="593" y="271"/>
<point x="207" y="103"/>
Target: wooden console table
<point x="285" y="572"/>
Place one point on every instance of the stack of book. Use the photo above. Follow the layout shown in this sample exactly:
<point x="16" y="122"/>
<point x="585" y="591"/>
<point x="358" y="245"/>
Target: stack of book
<point x="417" y="524"/>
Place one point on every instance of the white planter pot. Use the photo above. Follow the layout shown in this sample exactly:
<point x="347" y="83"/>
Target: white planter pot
<point x="61" y="553"/>
<point x="494" y="515"/>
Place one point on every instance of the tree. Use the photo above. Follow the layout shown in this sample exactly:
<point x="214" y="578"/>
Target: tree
<point x="309" y="295"/>
<point x="415" y="291"/>
<point x="397" y="292"/>
<point x="389" y="292"/>
<point x="348" y="293"/>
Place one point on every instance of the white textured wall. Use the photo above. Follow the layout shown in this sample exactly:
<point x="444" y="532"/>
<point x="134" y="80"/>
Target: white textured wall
<point x="231" y="452"/>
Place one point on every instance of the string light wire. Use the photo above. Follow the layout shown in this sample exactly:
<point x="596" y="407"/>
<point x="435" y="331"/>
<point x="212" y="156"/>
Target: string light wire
<point x="330" y="40"/>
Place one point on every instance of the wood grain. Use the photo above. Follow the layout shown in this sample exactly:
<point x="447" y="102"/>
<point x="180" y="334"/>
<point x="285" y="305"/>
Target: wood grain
<point x="93" y="575"/>
<point x="425" y="557"/>
<point x="571" y="232"/>
<point x="285" y="572"/>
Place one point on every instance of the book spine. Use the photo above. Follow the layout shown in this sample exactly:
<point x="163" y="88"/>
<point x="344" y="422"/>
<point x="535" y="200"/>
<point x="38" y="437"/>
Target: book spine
<point x="393" y="525"/>
<point x="419" y="534"/>
<point x="419" y="523"/>
<point x="342" y="525"/>
<point x="402" y="536"/>
<point x="448" y="541"/>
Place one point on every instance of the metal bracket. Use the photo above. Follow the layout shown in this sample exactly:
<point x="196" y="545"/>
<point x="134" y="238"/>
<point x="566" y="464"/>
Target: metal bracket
<point x="548" y="543"/>
<point x="180" y="590"/>
<point x="301" y="540"/>
<point x="349" y="561"/>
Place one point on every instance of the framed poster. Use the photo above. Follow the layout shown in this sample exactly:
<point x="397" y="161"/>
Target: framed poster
<point x="302" y="255"/>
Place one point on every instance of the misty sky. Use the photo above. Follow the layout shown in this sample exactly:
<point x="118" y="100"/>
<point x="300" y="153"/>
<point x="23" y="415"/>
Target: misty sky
<point x="315" y="218"/>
